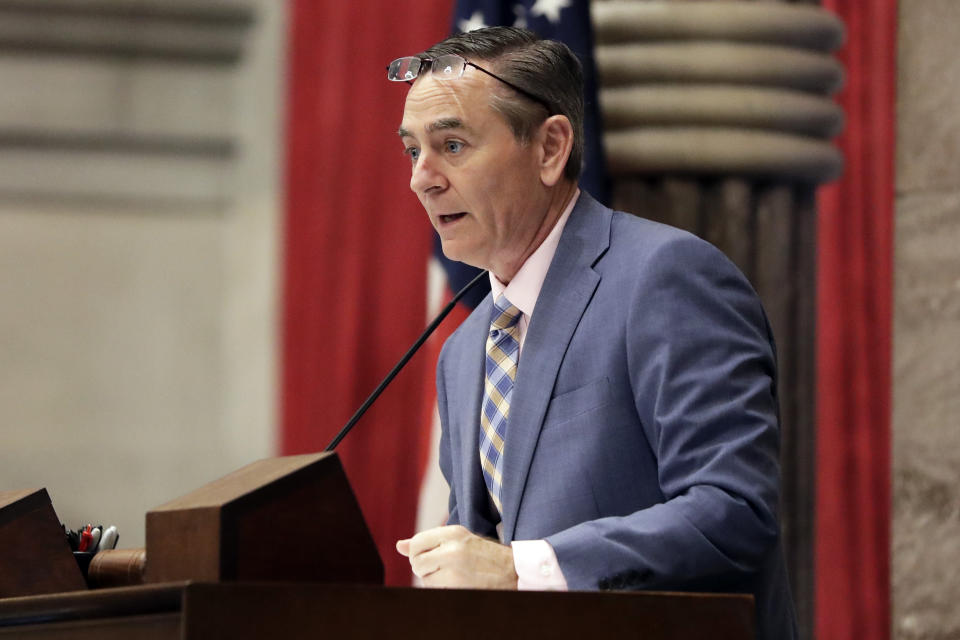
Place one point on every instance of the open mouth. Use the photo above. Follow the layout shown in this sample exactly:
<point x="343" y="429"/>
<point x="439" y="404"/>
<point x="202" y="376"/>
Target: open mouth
<point x="451" y="217"/>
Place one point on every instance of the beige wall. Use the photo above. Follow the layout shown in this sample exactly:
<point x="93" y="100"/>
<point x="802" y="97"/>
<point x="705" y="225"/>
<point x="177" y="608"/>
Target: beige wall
<point x="926" y="399"/>
<point x="138" y="289"/>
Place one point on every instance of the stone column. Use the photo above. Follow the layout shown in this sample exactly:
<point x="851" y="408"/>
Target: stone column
<point x="717" y="120"/>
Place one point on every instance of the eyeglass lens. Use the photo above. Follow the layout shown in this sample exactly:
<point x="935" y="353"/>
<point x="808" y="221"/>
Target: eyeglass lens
<point x="450" y="66"/>
<point x="404" y="69"/>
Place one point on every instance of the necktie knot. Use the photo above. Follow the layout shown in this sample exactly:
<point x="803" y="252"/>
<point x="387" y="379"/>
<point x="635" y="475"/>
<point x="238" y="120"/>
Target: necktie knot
<point x="504" y="314"/>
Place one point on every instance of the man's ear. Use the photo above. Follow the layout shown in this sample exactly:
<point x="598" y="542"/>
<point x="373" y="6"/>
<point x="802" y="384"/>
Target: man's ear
<point x="556" y="141"/>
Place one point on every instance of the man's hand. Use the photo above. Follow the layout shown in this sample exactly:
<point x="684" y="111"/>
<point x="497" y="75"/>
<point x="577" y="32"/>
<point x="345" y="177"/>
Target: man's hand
<point x="454" y="557"/>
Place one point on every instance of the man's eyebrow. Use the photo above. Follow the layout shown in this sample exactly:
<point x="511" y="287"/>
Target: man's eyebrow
<point x="445" y="123"/>
<point x="436" y="125"/>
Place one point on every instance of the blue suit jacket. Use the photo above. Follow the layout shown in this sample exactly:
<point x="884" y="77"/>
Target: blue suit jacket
<point x="643" y="436"/>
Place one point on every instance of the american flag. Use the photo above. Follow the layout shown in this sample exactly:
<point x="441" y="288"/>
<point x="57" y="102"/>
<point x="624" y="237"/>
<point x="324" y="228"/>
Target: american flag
<point x="567" y="21"/>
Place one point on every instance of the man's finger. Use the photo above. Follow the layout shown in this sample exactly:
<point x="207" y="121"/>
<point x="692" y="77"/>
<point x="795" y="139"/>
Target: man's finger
<point x="424" y="564"/>
<point x="403" y="547"/>
<point x="431" y="539"/>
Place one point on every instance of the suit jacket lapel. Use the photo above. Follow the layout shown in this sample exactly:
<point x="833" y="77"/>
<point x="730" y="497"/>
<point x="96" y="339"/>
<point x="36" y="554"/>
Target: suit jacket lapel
<point x="468" y="395"/>
<point x="567" y="289"/>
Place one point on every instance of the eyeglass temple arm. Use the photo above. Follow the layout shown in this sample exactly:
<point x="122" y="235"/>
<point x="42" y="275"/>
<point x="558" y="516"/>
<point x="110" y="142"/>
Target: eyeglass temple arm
<point x="539" y="101"/>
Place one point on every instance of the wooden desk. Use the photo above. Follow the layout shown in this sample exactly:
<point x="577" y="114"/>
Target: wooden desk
<point x="204" y="611"/>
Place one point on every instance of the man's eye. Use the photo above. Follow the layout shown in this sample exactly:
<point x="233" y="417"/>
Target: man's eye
<point x="413" y="152"/>
<point x="454" y="146"/>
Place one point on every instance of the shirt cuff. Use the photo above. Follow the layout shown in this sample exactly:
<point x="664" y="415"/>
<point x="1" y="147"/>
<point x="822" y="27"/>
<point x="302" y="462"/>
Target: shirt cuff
<point x="537" y="566"/>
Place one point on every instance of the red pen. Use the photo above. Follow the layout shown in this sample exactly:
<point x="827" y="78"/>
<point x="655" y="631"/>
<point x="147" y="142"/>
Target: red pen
<point x="86" y="537"/>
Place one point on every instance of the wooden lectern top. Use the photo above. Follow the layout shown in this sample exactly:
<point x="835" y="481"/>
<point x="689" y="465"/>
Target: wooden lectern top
<point x="241" y="483"/>
<point x="291" y="519"/>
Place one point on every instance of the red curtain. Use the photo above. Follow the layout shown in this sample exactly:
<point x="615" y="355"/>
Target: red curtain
<point x="356" y="244"/>
<point x="854" y="346"/>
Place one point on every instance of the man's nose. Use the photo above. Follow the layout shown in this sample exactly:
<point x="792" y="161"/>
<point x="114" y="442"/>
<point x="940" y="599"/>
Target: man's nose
<point x="426" y="176"/>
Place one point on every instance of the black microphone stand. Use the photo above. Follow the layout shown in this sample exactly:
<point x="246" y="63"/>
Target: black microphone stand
<point x="403" y="361"/>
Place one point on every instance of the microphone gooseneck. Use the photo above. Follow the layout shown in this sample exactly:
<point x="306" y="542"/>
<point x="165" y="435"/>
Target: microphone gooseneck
<point x="403" y="361"/>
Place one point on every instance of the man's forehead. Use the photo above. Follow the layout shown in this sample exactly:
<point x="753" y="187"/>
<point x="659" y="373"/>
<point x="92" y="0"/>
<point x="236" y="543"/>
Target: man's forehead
<point x="434" y="104"/>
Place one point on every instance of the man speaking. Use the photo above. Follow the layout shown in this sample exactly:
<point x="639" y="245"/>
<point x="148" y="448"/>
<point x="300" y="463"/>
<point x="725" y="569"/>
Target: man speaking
<point x="609" y="412"/>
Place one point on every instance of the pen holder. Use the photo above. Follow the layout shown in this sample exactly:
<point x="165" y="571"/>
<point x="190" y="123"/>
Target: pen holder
<point x="83" y="559"/>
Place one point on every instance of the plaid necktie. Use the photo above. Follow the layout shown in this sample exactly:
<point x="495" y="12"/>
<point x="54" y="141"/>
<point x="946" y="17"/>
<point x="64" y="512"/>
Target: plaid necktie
<point x="503" y="350"/>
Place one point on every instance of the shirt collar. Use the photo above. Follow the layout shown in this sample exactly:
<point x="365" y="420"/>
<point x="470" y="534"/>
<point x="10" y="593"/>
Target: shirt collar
<point x="524" y="289"/>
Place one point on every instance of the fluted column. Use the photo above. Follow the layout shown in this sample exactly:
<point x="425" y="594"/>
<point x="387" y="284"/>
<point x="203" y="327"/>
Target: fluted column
<point x="718" y="119"/>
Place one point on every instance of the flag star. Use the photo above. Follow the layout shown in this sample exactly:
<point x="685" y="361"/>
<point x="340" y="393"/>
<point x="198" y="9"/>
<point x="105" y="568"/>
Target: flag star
<point x="473" y="23"/>
<point x="521" y="12"/>
<point x="549" y="8"/>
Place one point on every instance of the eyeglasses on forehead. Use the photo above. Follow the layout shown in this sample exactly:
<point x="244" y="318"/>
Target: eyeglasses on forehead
<point x="409" y="68"/>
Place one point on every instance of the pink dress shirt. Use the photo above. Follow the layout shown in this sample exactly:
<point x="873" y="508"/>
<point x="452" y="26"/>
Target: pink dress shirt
<point x="534" y="560"/>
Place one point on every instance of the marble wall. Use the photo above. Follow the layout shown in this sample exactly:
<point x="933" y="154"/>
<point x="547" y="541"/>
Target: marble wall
<point x="926" y="393"/>
<point x="140" y="164"/>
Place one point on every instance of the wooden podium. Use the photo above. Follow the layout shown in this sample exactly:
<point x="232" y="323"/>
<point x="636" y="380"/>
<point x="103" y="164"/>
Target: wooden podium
<point x="241" y="610"/>
<point x="207" y="578"/>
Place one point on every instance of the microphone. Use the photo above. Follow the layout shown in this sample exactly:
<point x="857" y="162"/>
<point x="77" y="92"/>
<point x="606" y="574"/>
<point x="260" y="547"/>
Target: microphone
<point x="403" y="361"/>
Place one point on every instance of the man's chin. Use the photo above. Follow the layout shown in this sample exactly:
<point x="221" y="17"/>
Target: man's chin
<point x="460" y="254"/>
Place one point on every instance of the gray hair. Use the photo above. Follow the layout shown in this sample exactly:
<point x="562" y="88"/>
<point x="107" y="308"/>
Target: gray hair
<point x="545" y="68"/>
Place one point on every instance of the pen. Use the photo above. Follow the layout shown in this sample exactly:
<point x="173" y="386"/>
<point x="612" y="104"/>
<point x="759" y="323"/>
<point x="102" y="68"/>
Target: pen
<point x="86" y="537"/>
<point x="109" y="539"/>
